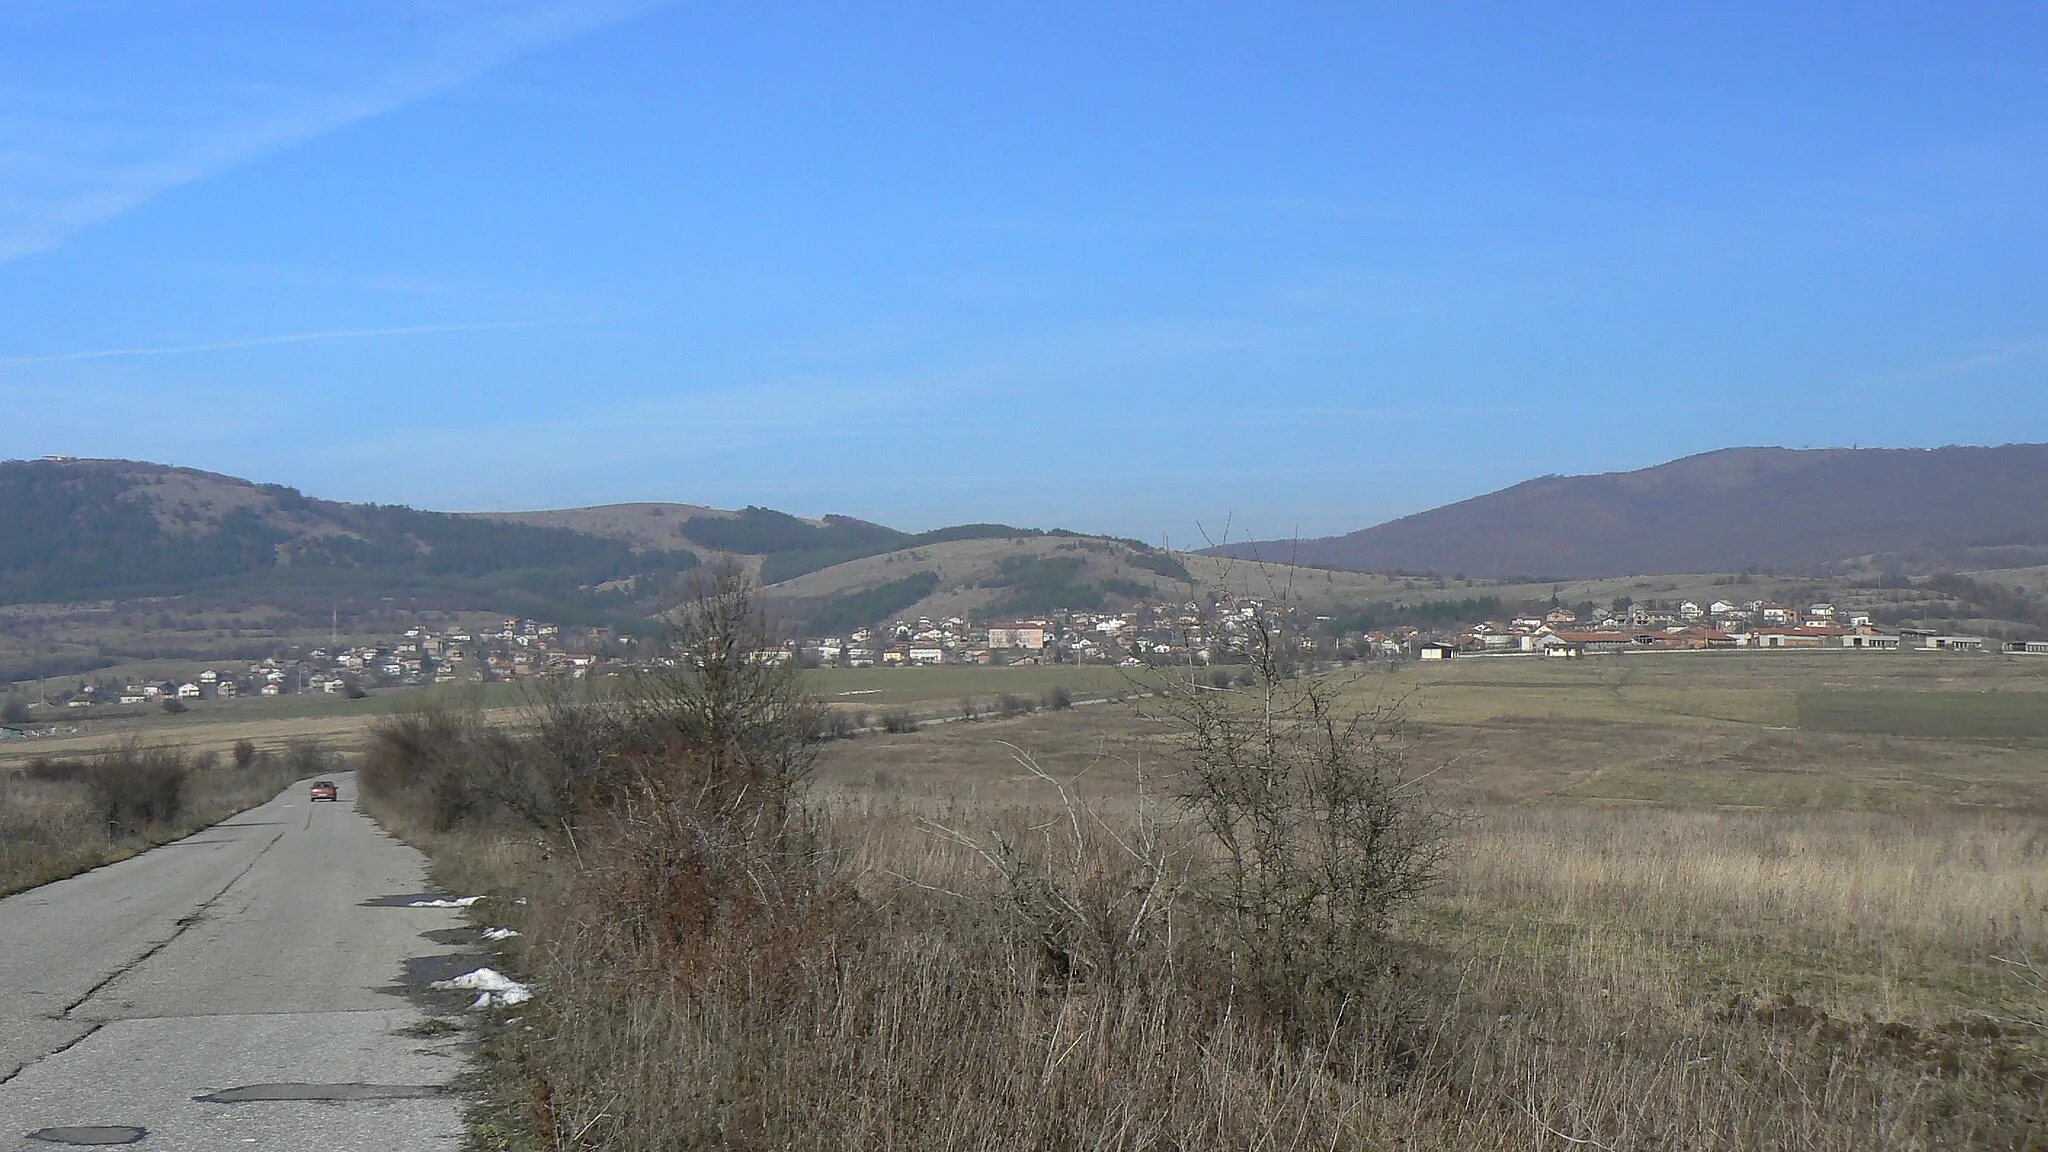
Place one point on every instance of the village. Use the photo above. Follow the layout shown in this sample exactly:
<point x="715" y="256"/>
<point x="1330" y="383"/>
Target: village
<point x="1201" y="633"/>
<point x="1145" y="634"/>
<point x="419" y="657"/>
<point x="1721" y="625"/>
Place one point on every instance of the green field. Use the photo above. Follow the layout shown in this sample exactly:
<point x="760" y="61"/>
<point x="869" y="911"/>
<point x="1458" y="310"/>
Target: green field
<point x="1942" y="715"/>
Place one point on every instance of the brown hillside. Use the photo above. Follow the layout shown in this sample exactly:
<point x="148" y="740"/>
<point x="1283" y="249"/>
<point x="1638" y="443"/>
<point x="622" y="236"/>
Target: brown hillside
<point x="1767" y="509"/>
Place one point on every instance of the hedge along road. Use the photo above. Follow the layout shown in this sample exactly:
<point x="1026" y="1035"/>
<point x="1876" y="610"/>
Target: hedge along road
<point x="251" y="985"/>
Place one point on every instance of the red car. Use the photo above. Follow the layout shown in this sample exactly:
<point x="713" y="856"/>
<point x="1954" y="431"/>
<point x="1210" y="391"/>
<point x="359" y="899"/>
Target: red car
<point x="325" y="790"/>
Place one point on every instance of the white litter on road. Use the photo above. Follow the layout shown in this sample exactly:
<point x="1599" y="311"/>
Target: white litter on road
<point x="499" y="933"/>
<point x="458" y="902"/>
<point x="494" y="988"/>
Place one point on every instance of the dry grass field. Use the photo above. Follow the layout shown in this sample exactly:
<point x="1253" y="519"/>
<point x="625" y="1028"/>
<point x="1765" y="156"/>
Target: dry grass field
<point x="1790" y="901"/>
<point x="1664" y="882"/>
<point x="344" y="725"/>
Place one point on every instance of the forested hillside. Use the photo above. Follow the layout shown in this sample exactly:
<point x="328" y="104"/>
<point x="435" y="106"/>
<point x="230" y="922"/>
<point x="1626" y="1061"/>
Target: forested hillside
<point x="788" y="546"/>
<point x="74" y="530"/>
<point x="80" y="530"/>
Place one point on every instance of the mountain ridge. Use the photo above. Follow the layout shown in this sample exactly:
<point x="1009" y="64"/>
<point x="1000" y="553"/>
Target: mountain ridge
<point x="85" y="529"/>
<point x="1750" y="508"/>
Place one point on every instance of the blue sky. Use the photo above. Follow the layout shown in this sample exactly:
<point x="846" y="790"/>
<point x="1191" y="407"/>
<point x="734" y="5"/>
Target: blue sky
<point x="1131" y="270"/>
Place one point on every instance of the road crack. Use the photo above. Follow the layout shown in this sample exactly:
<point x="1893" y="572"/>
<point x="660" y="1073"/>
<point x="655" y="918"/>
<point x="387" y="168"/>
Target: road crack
<point x="183" y="925"/>
<point x="92" y="1027"/>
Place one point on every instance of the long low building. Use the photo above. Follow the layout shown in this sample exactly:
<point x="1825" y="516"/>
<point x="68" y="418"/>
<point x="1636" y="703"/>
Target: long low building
<point x="1954" y="644"/>
<point x="1593" y="642"/>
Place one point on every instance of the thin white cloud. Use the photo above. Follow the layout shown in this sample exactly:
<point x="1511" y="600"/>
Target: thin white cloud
<point x="1984" y="360"/>
<point x="74" y="159"/>
<point x="265" y="341"/>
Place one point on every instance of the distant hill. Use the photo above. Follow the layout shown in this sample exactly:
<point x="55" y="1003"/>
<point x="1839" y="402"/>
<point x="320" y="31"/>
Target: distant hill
<point x="78" y="530"/>
<point x="788" y="546"/>
<point x="644" y="526"/>
<point x="106" y="529"/>
<point x="838" y="573"/>
<point x="1764" y="509"/>
<point x="987" y="576"/>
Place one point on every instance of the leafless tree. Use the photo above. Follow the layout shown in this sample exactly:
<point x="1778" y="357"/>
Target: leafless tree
<point x="731" y="711"/>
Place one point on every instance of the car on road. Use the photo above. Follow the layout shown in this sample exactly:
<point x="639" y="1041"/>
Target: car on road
<point x="325" y="790"/>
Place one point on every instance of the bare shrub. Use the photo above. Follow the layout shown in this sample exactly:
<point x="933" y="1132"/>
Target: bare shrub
<point x="564" y="757"/>
<point x="419" y="759"/>
<point x="1319" y="838"/>
<point x="302" y="760"/>
<point x="839" y="724"/>
<point x="899" y="720"/>
<point x="135" y="788"/>
<point x="721" y="720"/>
<point x="1057" y="698"/>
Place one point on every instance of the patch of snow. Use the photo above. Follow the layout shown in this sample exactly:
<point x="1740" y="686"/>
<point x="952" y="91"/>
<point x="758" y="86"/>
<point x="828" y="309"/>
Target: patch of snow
<point x="494" y="989"/>
<point x="499" y="933"/>
<point x="458" y="902"/>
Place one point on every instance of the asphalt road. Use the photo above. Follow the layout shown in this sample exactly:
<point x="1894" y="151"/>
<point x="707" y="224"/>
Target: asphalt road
<point x="272" y="949"/>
